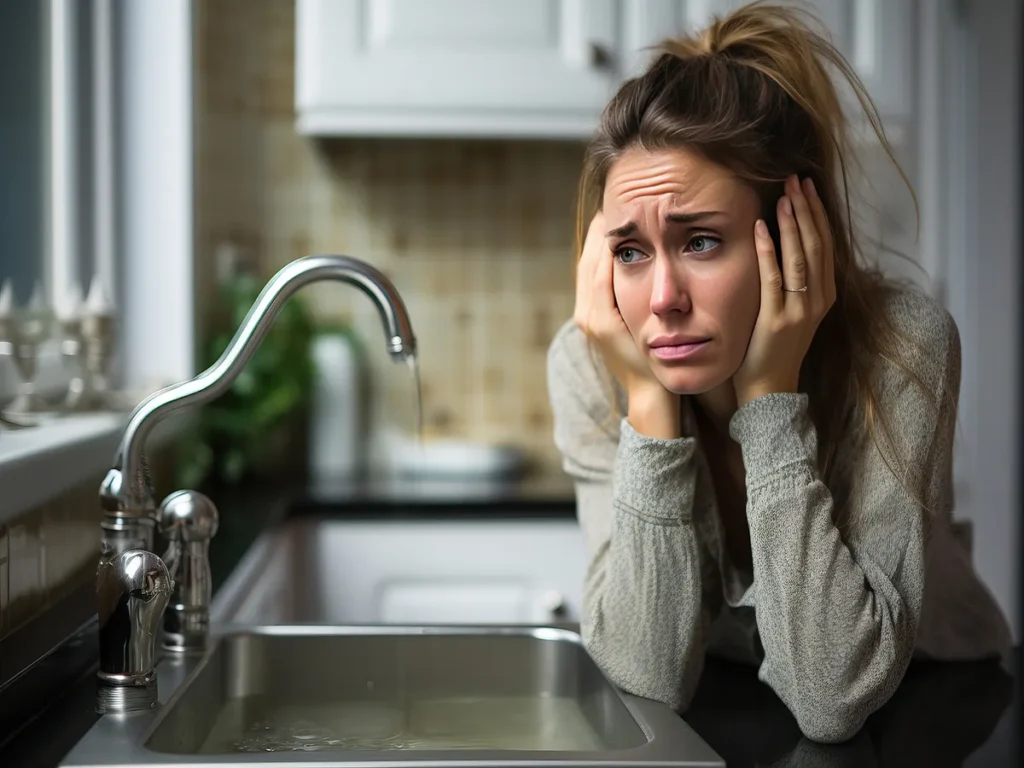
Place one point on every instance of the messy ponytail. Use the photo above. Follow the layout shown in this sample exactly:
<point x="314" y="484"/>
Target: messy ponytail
<point x="753" y="93"/>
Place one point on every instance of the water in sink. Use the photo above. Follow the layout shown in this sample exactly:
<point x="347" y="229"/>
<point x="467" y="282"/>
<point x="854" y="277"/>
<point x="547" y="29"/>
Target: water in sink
<point x="426" y="723"/>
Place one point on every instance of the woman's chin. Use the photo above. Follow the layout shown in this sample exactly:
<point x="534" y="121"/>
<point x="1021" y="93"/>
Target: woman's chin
<point x="688" y="381"/>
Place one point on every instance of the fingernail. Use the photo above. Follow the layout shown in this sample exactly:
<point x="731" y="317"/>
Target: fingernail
<point x="760" y="228"/>
<point x="787" y="207"/>
<point x="809" y="186"/>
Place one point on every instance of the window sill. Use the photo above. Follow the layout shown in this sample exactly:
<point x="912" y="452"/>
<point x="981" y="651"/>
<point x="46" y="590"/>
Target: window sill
<point x="40" y="463"/>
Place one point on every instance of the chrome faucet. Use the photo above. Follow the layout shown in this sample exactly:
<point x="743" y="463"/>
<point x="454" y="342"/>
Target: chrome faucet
<point x="130" y="614"/>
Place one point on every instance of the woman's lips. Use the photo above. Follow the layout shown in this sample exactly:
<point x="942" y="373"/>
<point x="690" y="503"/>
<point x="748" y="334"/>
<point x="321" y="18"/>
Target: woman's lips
<point x="677" y="351"/>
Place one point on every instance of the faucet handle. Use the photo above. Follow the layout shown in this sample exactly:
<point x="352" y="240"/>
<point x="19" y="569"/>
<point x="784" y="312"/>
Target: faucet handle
<point x="188" y="516"/>
<point x="188" y="520"/>
<point x="132" y="590"/>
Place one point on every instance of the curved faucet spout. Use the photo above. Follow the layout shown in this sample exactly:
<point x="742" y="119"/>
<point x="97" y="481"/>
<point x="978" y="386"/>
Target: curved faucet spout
<point x="125" y="491"/>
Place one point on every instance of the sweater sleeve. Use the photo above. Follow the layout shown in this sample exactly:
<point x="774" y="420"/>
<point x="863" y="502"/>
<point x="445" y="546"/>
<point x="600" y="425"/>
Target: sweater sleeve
<point x="647" y="607"/>
<point x="838" y="607"/>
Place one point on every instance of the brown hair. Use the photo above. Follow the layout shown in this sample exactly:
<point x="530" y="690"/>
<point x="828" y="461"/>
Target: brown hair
<point x="753" y="94"/>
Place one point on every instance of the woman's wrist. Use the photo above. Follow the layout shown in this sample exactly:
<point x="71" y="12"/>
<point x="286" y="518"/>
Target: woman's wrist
<point x="746" y="393"/>
<point x="654" y="411"/>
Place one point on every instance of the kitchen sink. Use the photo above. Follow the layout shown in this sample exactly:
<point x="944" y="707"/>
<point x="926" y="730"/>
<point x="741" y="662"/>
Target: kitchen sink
<point x="401" y="642"/>
<point x="394" y="691"/>
<point x="393" y="696"/>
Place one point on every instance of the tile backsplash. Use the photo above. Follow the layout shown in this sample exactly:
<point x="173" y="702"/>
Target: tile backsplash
<point x="48" y="557"/>
<point x="476" y="235"/>
<point x="47" y="551"/>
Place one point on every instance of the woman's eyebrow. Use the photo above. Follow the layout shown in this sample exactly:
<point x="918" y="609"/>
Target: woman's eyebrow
<point x="690" y="218"/>
<point x="626" y="229"/>
<point x="673" y="218"/>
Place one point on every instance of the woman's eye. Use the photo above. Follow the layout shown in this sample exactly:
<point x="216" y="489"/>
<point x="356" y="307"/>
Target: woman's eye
<point x="703" y="244"/>
<point x="629" y="255"/>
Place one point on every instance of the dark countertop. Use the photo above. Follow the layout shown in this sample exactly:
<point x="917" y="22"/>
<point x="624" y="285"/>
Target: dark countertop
<point x="948" y="714"/>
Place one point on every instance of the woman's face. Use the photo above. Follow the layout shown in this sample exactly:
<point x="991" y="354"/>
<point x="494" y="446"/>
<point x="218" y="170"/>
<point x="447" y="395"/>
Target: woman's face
<point x="685" y="274"/>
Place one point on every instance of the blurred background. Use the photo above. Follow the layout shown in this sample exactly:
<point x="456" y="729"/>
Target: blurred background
<point x="161" y="160"/>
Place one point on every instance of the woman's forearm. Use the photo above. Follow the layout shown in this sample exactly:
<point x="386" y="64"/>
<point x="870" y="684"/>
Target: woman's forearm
<point x="837" y="620"/>
<point x="650" y="589"/>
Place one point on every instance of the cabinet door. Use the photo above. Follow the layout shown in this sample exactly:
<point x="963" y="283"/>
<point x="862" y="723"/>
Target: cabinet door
<point x="454" y="67"/>
<point x="512" y="599"/>
<point x="876" y="36"/>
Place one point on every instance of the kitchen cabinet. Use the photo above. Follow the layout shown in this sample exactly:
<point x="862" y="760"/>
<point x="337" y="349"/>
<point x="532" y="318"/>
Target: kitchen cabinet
<point x="455" y="572"/>
<point x="532" y="68"/>
<point x="492" y="571"/>
<point x="453" y="67"/>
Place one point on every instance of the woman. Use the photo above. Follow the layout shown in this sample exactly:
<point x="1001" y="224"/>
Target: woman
<point x="760" y="429"/>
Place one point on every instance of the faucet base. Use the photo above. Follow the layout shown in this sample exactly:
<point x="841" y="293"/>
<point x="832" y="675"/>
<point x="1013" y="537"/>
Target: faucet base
<point x="119" y="699"/>
<point x="186" y="630"/>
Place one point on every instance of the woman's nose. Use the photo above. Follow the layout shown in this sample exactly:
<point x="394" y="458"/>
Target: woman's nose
<point x="669" y="292"/>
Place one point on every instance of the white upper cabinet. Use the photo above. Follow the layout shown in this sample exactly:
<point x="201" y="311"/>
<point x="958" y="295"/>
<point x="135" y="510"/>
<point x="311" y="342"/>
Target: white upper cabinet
<point x="530" y="68"/>
<point x="454" y="67"/>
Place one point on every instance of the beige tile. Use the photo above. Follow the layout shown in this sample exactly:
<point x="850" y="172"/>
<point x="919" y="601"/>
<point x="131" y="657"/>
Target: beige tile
<point x="70" y="539"/>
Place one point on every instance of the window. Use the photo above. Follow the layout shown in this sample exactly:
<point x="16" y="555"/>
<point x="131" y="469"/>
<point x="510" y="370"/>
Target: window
<point x="22" y="145"/>
<point x="56" y="196"/>
<point x="96" y="163"/>
<point x="95" y="187"/>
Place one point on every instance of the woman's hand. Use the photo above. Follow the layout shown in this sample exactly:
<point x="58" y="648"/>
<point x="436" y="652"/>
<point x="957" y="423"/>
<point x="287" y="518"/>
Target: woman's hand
<point x="653" y="410"/>
<point x="793" y="301"/>
<point x="598" y="315"/>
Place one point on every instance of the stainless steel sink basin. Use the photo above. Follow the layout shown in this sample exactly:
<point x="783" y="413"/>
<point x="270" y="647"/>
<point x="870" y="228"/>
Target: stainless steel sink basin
<point x="393" y="696"/>
<point x="394" y="691"/>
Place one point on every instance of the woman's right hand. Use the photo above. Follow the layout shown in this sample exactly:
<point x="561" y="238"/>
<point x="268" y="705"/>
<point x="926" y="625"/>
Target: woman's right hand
<point x="653" y="410"/>
<point x="597" y="314"/>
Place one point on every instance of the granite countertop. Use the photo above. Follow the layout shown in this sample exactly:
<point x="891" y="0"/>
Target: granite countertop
<point x="943" y="714"/>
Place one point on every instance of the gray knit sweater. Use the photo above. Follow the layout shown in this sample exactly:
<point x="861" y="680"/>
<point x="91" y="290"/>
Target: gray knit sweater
<point x="832" y="613"/>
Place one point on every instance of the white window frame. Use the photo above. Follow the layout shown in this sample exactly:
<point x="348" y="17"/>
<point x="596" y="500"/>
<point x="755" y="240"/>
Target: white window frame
<point x="142" y="217"/>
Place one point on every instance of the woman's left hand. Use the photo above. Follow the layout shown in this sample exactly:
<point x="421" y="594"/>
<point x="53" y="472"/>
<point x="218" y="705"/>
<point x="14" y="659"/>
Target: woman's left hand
<point x="793" y="301"/>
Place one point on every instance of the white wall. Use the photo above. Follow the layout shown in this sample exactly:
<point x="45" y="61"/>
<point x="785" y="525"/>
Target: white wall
<point x="984" y="290"/>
